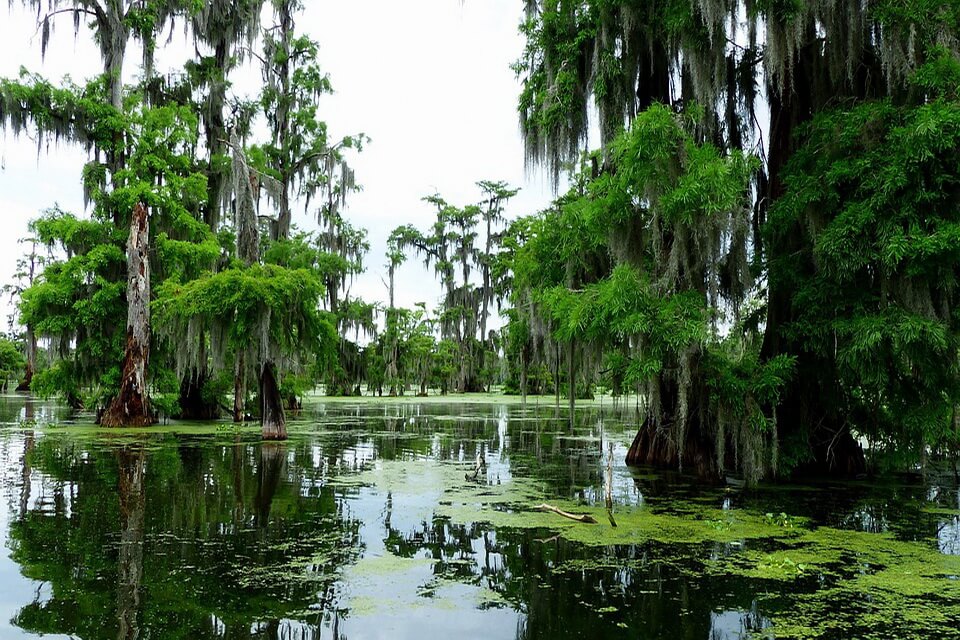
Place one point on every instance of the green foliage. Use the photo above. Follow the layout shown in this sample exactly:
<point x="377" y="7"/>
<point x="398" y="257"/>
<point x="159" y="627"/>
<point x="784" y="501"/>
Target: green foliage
<point x="873" y="190"/>
<point x="278" y="306"/>
<point x="12" y="361"/>
<point x="638" y="266"/>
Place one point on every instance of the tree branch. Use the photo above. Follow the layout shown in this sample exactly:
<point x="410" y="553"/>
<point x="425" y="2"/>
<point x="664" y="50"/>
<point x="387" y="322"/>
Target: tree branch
<point x="74" y="10"/>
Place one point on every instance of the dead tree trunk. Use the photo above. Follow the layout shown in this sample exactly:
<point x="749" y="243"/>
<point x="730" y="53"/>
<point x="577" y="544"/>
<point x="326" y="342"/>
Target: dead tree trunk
<point x="273" y="422"/>
<point x="131" y="407"/>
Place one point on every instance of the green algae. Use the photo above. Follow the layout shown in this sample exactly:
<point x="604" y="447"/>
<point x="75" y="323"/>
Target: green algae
<point x="870" y="581"/>
<point x="823" y="583"/>
<point x="834" y="581"/>
<point x="386" y="565"/>
<point x="386" y="584"/>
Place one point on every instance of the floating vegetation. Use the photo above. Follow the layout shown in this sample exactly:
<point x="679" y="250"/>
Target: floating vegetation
<point x="898" y="585"/>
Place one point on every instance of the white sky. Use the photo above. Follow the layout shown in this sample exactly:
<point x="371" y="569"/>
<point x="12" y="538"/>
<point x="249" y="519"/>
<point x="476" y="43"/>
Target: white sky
<point x="428" y="81"/>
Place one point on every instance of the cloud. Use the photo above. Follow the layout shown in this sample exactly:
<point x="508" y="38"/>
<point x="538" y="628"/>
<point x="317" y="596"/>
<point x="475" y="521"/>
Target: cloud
<point x="428" y="81"/>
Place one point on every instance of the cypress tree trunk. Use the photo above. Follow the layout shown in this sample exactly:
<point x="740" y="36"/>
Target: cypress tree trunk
<point x="284" y="216"/>
<point x="272" y="419"/>
<point x="131" y="407"/>
<point x="31" y="345"/>
<point x="239" y="388"/>
<point x="216" y="144"/>
<point x="654" y="445"/>
<point x="831" y="447"/>
<point x="31" y="348"/>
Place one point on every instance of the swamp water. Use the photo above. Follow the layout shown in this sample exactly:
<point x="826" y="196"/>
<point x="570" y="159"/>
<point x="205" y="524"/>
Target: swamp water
<point x="365" y="525"/>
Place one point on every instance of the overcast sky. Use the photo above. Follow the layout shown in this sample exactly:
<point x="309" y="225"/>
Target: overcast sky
<point x="428" y="81"/>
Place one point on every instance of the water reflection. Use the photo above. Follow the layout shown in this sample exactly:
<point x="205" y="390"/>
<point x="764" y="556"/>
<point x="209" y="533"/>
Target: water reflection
<point x="216" y="536"/>
<point x="130" y="471"/>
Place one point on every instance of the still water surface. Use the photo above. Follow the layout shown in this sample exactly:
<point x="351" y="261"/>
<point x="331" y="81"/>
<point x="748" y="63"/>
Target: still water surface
<point x="346" y="531"/>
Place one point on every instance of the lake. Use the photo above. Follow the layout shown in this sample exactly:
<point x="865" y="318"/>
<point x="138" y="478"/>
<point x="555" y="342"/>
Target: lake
<point x="375" y="521"/>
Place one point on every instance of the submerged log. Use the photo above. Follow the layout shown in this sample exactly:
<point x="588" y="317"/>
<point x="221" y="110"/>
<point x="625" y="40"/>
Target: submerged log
<point x="131" y="406"/>
<point x="582" y="517"/>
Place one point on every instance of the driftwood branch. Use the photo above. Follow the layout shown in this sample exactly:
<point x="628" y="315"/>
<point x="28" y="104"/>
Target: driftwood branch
<point x="584" y="518"/>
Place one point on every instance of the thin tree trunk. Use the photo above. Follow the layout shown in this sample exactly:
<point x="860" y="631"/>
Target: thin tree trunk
<point x="31" y="342"/>
<point x="556" y="377"/>
<point x="216" y="147"/>
<point x="239" y="387"/>
<point x="131" y="407"/>
<point x="273" y="422"/>
<point x="285" y="215"/>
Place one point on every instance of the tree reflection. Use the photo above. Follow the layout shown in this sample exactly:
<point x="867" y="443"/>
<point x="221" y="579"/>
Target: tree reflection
<point x="218" y="537"/>
<point x="180" y="541"/>
<point x="130" y="557"/>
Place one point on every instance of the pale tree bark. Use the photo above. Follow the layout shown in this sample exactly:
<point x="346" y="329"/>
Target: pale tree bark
<point x="131" y="406"/>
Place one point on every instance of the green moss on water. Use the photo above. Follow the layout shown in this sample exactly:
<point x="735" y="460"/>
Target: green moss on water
<point x="835" y="583"/>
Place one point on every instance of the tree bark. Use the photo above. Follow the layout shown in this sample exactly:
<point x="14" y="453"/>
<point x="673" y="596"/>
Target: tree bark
<point x="31" y="337"/>
<point x="239" y="388"/>
<point x="831" y="447"/>
<point x="654" y="447"/>
<point x="284" y="216"/>
<point x="131" y="406"/>
<point x="215" y="133"/>
<point x="273" y="422"/>
<point x="31" y="348"/>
